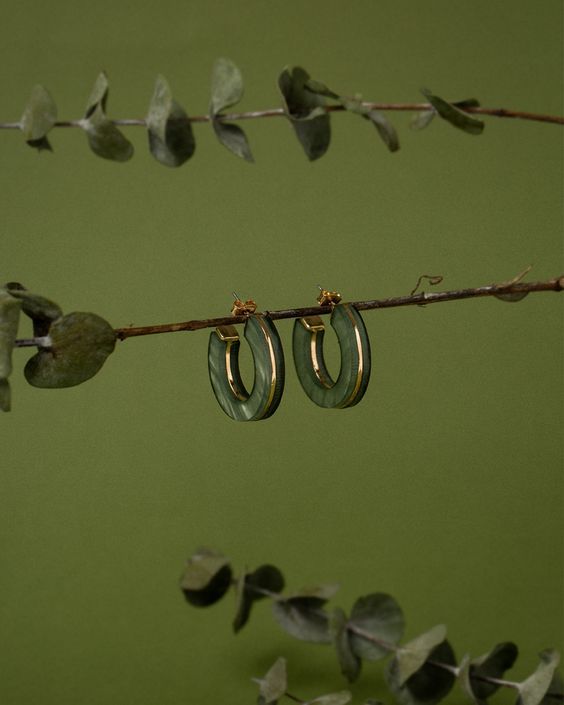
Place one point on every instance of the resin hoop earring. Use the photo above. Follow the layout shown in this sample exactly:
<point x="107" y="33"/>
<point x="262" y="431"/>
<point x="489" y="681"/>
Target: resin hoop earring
<point x="268" y="358"/>
<point x="314" y="377"/>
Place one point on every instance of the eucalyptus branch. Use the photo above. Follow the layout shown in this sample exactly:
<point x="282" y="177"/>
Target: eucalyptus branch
<point x="280" y="112"/>
<point x="420" y="672"/>
<point x="306" y="103"/>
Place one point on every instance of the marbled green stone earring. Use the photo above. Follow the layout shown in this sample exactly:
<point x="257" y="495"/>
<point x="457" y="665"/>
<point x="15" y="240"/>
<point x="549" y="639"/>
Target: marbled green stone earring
<point x="352" y="382"/>
<point x="268" y="357"/>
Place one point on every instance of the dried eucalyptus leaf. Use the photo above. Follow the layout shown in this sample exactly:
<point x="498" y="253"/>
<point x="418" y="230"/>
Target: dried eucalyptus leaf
<point x="98" y="95"/>
<point x="555" y="691"/>
<point x="533" y="690"/>
<point x="233" y="137"/>
<point x="341" y="698"/>
<point x="275" y="682"/>
<point x="80" y="344"/>
<point x="306" y="112"/>
<point x="430" y="683"/>
<point x="380" y="616"/>
<point x="349" y="662"/>
<point x="454" y="115"/>
<point x="206" y="579"/>
<point x="226" y="85"/>
<point x="104" y="138"/>
<point x="39" y="116"/>
<point x="314" y="86"/>
<point x="255" y="586"/>
<point x="171" y="139"/>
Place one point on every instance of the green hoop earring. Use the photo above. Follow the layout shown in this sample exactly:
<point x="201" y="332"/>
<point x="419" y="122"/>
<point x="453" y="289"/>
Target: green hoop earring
<point x="268" y="357"/>
<point x="354" y="375"/>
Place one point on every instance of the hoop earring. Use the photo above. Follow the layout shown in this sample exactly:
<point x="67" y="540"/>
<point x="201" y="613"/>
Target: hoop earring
<point x="314" y="377"/>
<point x="268" y="358"/>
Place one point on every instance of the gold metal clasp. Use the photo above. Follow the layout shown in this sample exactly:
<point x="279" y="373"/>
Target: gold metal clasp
<point x="243" y="308"/>
<point x="328" y="298"/>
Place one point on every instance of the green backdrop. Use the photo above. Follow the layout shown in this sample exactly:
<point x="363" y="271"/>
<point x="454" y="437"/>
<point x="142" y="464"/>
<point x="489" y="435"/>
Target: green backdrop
<point x="442" y="487"/>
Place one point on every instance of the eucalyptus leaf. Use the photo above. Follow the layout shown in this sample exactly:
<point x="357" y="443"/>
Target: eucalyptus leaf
<point x="305" y="109"/>
<point x="9" y="321"/>
<point x="39" y="116"/>
<point x="533" y="690"/>
<point x="379" y="616"/>
<point x="104" y="138"/>
<point x="171" y="140"/>
<point x="349" y="662"/>
<point x="274" y="684"/>
<point x="341" y="698"/>
<point x="255" y="586"/>
<point x="555" y="692"/>
<point x="490" y="665"/>
<point x="5" y="395"/>
<point x="411" y="656"/>
<point x="421" y="120"/>
<point x="41" y="310"/>
<point x="233" y="137"/>
<point x="428" y="685"/>
<point x="452" y="114"/>
<point x="80" y="344"/>
<point x="206" y="578"/>
<point x="385" y="129"/>
<point x="302" y="614"/>
<point x="226" y="85"/>
<point x="98" y="95"/>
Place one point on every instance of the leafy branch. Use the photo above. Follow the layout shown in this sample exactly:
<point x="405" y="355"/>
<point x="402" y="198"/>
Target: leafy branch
<point x="73" y="347"/>
<point x="421" y="672"/>
<point x="307" y="104"/>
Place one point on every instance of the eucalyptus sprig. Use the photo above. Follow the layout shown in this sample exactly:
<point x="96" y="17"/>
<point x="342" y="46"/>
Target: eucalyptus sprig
<point x="306" y="103"/>
<point x="421" y="671"/>
<point x="73" y="347"/>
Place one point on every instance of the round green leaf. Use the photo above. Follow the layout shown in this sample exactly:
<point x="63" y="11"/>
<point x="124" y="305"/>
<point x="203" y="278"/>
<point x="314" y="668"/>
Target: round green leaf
<point x="305" y="109"/>
<point x="490" y="665"/>
<point x="349" y="662"/>
<point x="105" y="139"/>
<point x="410" y="657"/>
<point x="533" y="690"/>
<point x="274" y="684"/>
<point x="302" y="614"/>
<point x="98" y="95"/>
<point x="450" y="113"/>
<point x="39" y="116"/>
<point x="226" y="85"/>
<point x="255" y="586"/>
<point x="430" y="683"/>
<point x="171" y="140"/>
<point x="233" y="137"/>
<point x="206" y="579"/>
<point x="42" y="311"/>
<point x="379" y="616"/>
<point x="80" y="344"/>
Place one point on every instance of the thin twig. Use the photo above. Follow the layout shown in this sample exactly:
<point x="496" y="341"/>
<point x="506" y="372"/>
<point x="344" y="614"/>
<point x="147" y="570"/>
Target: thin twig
<point x="423" y="298"/>
<point x="279" y="112"/>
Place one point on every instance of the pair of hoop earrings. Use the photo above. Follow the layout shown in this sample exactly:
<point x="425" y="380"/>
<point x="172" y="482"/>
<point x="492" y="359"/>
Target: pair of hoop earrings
<point x="268" y="357"/>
